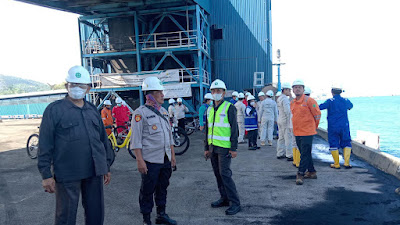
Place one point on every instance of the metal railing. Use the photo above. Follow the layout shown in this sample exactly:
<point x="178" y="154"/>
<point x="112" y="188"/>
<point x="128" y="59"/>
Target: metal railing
<point x="175" y="39"/>
<point x="164" y="40"/>
<point x="184" y="77"/>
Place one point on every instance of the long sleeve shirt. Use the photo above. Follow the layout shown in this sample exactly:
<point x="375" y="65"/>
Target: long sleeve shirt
<point x="180" y="111"/>
<point x="306" y="116"/>
<point x="73" y="142"/>
<point x="337" y="111"/>
<point x="240" y="111"/>
<point x="202" y="112"/>
<point x="268" y="110"/>
<point x="234" y="129"/>
<point x="284" y="113"/>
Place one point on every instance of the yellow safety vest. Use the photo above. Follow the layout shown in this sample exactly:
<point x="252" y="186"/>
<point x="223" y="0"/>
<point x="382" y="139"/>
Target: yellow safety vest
<point x="219" y="131"/>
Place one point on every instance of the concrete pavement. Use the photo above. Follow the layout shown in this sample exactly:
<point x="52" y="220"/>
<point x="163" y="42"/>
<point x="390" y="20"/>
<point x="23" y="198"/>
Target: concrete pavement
<point x="362" y="195"/>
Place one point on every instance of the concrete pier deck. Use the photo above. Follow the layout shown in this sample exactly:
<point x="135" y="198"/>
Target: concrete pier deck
<point x="362" y="195"/>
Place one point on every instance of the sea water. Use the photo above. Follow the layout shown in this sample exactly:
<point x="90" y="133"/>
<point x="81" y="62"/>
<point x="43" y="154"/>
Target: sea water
<point x="379" y="115"/>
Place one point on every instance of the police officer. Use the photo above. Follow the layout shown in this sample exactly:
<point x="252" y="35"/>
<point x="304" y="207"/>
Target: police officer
<point x="338" y="126"/>
<point x="153" y="145"/>
<point x="220" y="145"/>
<point x="75" y="157"/>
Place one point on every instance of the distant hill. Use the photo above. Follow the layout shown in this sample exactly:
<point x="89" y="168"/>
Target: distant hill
<point x="16" y="85"/>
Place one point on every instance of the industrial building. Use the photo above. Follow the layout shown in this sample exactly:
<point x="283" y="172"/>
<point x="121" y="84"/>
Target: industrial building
<point x="186" y="43"/>
<point x="28" y="105"/>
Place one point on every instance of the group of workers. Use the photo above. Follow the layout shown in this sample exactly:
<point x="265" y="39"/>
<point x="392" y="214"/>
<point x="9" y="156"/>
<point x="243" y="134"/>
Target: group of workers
<point x="118" y="114"/>
<point x="75" y="156"/>
<point x="177" y="111"/>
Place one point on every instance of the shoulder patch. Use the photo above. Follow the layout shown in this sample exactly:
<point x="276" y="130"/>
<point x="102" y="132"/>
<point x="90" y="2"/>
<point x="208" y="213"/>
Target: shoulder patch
<point x="138" y="117"/>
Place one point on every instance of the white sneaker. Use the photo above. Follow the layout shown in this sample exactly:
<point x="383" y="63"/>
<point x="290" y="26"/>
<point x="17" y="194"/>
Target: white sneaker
<point x="263" y="143"/>
<point x="270" y="143"/>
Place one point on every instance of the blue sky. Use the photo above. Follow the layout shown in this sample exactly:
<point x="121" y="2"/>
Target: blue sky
<point x="355" y="43"/>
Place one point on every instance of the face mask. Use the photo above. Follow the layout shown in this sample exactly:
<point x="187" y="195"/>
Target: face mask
<point x="217" y="97"/>
<point x="211" y="103"/>
<point x="119" y="104"/>
<point x="252" y="103"/>
<point x="76" y="92"/>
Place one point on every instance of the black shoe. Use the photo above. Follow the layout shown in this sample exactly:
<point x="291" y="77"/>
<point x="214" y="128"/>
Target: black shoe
<point x="163" y="218"/>
<point x="220" y="203"/>
<point x="289" y="159"/>
<point x="146" y="219"/>
<point x="233" y="210"/>
<point x="257" y="147"/>
<point x="252" y="148"/>
<point x="281" y="157"/>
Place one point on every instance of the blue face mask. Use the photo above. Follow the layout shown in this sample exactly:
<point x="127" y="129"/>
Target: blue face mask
<point x="211" y="103"/>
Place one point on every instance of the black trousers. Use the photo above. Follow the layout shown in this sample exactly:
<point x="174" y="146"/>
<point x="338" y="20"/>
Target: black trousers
<point x="154" y="185"/>
<point x="181" y="123"/>
<point x="252" y="136"/>
<point x="67" y="199"/>
<point x="221" y="164"/>
<point x="305" y="146"/>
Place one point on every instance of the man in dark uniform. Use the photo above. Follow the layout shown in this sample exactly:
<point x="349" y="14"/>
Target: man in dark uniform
<point x="220" y="145"/>
<point x="152" y="142"/>
<point x="73" y="143"/>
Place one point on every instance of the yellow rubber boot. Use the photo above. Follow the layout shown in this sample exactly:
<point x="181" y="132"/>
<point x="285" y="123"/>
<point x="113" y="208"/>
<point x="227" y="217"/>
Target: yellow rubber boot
<point x="294" y="156"/>
<point x="298" y="155"/>
<point x="335" y="155"/>
<point x="346" y="156"/>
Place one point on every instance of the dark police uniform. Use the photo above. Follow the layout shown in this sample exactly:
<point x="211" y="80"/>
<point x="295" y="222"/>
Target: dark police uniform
<point x="152" y="134"/>
<point x="73" y="143"/>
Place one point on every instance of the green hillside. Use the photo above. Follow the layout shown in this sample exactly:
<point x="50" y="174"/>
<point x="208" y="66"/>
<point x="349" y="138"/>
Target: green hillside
<point x="16" y="85"/>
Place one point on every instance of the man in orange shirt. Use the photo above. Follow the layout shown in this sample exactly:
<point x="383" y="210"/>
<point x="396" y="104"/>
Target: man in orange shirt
<point x="306" y="116"/>
<point x="106" y="115"/>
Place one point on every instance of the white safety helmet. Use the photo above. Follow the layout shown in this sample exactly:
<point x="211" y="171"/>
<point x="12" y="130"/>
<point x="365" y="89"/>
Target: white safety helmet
<point x="337" y="87"/>
<point x="171" y="101"/>
<point x="235" y="93"/>
<point x="261" y="94"/>
<point x="152" y="84"/>
<point x="118" y="100"/>
<point x="286" y="85"/>
<point x="208" y="96"/>
<point x="298" y="82"/>
<point x="179" y="100"/>
<point x="307" y="90"/>
<point x="250" y="97"/>
<point x="107" y="102"/>
<point x="248" y="94"/>
<point x="79" y="75"/>
<point x="270" y="93"/>
<point x="278" y="94"/>
<point x="240" y="95"/>
<point x="218" y="84"/>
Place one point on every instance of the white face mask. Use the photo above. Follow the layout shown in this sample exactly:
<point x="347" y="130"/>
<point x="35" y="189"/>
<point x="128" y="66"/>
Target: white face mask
<point x="252" y="103"/>
<point x="76" y="92"/>
<point x="217" y="97"/>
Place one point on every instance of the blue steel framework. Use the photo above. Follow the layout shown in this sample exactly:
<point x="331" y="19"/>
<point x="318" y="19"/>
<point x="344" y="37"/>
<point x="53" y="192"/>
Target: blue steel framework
<point x="94" y="32"/>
